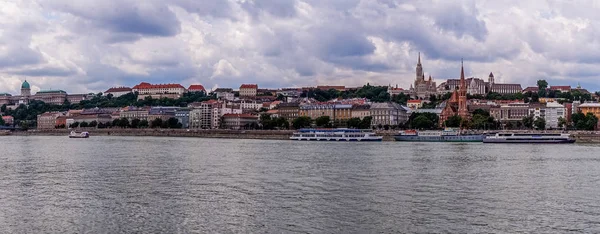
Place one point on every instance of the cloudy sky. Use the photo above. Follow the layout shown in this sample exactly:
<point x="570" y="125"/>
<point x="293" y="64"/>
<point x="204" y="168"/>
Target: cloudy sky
<point x="90" y="45"/>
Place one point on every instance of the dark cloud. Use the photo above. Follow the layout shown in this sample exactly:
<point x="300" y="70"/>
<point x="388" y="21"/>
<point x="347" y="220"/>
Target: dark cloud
<point x="19" y="56"/>
<point x="47" y="71"/>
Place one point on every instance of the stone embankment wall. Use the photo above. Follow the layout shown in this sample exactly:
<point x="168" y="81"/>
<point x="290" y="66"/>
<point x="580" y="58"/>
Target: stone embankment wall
<point x="581" y="137"/>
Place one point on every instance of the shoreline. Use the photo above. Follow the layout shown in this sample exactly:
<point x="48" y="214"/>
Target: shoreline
<point x="580" y="137"/>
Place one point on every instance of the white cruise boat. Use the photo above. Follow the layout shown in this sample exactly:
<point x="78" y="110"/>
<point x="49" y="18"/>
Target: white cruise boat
<point x="530" y="138"/>
<point x="339" y="134"/>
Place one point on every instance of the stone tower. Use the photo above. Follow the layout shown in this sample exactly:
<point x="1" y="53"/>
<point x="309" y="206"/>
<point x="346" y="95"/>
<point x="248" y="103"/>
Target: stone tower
<point x="420" y="74"/>
<point x="491" y="79"/>
<point x="25" y="89"/>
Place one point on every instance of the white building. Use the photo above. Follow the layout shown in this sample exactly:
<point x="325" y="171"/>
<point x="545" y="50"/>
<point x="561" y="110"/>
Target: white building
<point x="158" y="91"/>
<point x="248" y="90"/>
<point x="387" y="113"/>
<point x="554" y="111"/>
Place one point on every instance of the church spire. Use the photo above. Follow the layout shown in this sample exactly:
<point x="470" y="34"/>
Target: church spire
<point x="419" y="62"/>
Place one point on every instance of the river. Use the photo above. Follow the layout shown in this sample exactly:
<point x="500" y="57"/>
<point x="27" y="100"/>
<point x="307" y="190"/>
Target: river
<point x="194" y="185"/>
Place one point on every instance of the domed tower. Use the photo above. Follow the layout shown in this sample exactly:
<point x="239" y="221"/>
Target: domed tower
<point x="25" y="89"/>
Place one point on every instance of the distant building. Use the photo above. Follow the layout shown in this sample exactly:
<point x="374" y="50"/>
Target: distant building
<point x="506" y="88"/>
<point x="422" y="89"/>
<point x="387" y="113"/>
<point x="117" y="91"/>
<point x="183" y="115"/>
<point x="554" y="111"/>
<point x="457" y="104"/>
<point x="513" y="112"/>
<point x="162" y="112"/>
<point x="593" y="108"/>
<point x="248" y="90"/>
<point x="196" y="88"/>
<point x="290" y="111"/>
<point x="224" y="94"/>
<point x="157" y="91"/>
<point x="8" y="120"/>
<point x="239" y="121"/>
<point x="47" y="120"/>
<point x="328" y="87"/>
<point x="361" y="111"/>
<point x="531" y="89"/>
<point x="414" y="104"/>
<point x="131" y="113"/>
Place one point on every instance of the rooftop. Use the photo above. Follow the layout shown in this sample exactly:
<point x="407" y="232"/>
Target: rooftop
<point x="118" y="89"/>
<point x="249" y="86"/>
<point x="145" y="85"/>
<point x="196" y="88"/>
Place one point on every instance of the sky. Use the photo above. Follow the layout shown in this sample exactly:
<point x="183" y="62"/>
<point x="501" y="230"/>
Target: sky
<point x="83" y="46"/>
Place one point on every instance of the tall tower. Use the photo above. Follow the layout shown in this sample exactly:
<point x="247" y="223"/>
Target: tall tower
<point x="420" y="75"/>
<point x="25" y="89"/>
<point x="491" y="79"/>
<point x="463" y="112"/>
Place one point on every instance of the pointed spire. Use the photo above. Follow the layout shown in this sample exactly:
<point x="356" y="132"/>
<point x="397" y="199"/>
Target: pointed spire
<point x="491" y="74"/>
<point x="462" y="70"/>
<point x="419" y="58"/>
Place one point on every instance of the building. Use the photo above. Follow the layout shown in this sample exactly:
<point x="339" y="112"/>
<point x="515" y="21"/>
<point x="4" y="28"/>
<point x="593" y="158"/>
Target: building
<point x="157" y="91"/>
<point x="457" y="104"/>
<point x="414" y="104"/>
<point x="554" y="112"/>
<point x="47" y="120"/>
<point x="196" y="88"/>
<point x="239" y="121"/>
<point x="531" y="89"/>
<point x="56" y="97"/>
<point x="361" y="111"/>
<point x="290" y="110"/>
<point x="593" y="108"/>
<point x="162" y="112"/>
<point x="387" y="113"/>
<point x="131" y="113"/>
<point x="8" y="120"/>
<point x="224" y="94"/>
<point x="422" y="88"/>
<point x="183" y="115"/>
<point x="562" y="89"/>
<point x="248" y="90"/>
<point x="513" y="112"/>
<point x="506" y="88"/>
<point x="117" y="91"/>
<point x="475" y="86"/>
<point x="206" y="115"/>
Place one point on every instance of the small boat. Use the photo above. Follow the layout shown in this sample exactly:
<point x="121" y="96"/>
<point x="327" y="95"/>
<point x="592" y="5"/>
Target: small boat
<point x="530" y="138"/>
<point x="447" y="135"/>
<point x="74" y="134"/>
<point x="338" y="134"/>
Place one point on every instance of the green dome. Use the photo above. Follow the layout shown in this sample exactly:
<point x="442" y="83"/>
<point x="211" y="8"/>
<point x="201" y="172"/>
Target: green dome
<point x="25" y="85"/>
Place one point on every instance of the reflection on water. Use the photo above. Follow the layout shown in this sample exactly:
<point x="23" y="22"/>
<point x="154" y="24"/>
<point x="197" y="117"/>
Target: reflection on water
<point x="182" y="185"/>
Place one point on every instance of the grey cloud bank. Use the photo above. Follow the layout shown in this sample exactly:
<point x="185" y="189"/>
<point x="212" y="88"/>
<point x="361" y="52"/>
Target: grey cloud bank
<point x="88" y="46"/>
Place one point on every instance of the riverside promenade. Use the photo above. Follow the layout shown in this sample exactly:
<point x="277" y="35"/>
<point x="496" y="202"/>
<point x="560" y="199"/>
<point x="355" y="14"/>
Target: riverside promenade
<point x="580" y="136"/>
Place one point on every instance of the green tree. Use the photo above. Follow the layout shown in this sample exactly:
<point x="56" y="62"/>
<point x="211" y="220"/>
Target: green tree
<point x="156" y="123"/>
<point x="323" y="121"/>
<point x="353" y="123"/>
<point x="93" y="124"/>
<point x="528" y="122"/>
<point x="124" y="123"/>
<point x="562" y="122"/>
<point x="115" y="122"/>
<point x="74" y="125"/>
<point x="422" y="122"/>
<point x="135" y="123"/>
<point x="84" y="124"/>
<point x="267" y="122"/>
<point x="542" y="86"/>
<point x="281" y="123"/>
<point x="2" y="123"/>
<point x="173" y="122"/>
<point x="540" y="123"/>
<point x="432" y="117"/>
<point x="3" y="108"/>
<point x="301" y="122"/>
<point x="143" y="124"/>
<point x="365" y="123"/>
<point x="453" y="122"/>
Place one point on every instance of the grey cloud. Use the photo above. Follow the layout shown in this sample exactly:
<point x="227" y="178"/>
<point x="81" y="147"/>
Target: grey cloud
<point x="46" y="71"/>
<point x="280" y="8"/>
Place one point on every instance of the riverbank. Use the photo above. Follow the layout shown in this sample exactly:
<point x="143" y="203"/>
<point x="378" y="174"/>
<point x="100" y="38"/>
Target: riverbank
<point x="581" y="137"/>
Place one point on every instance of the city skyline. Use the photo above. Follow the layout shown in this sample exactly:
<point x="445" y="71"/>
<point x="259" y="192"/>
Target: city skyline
<point x="89" y="46"/>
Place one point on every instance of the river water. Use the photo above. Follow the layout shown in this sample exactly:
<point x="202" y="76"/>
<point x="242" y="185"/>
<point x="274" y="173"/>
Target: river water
<point x="193" y="185"/>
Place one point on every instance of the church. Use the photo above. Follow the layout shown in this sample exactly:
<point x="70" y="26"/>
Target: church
<point x="422" y="88"/>
<point x="457" y="104"/>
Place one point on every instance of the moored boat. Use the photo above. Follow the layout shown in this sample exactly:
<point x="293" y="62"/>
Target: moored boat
<point x="447" y="135"/>
<point x="339" y="134"/>
<point x="74" y="134"/>
<point x="530" y="138"/>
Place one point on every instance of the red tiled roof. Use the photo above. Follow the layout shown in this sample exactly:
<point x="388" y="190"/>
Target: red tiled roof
<point x="118" y="89"/>
<point x="560" y="87"/>
<point x="249" y="86"/>
<point x="145" y="85"/>
<point x="196" y="88"/>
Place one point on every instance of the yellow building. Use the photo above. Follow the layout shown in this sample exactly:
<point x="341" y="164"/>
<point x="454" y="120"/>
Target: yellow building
<point x="593" y="108"/>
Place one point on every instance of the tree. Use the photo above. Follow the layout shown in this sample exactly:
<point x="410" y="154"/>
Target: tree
<point x="562" y="122"/>
<point x="301" y="122"/>
<point x="323" y="121"/>
<point x="124" y="122"/>
<point x="156" y="123"/>
<point x="267" y="122"/>
<point x="135" y="123"/>
<point x="3" y="108"/>
<point x="422" y="122"/>
<point x="143" y="124"/>
<point x="365" y="123"/>
<point x="540" y="123"/>
<point x="453" y="122"/>
<point x="542" y="86"/>
<point x="584" y="121"/>
<point x="528" y="122"/>
<point x="173" y="122"/>
<point x="74" y="125"/>
<point x="84" y="124"/>
<point x="353" y="123"/>
<point x="115" y="122"/>
<point x="93" y="124"/>
<point x="432" y="117"/>
<point x="2" y="123"/>
<point x="281" y="123"/>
